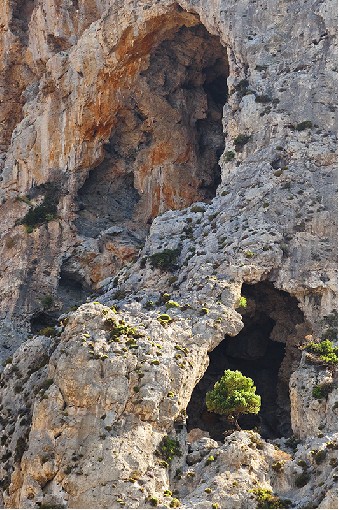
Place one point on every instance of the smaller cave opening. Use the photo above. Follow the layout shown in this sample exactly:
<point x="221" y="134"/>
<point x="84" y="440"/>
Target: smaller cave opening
<point x="72" y="290"/>
<point x="42" y="320"/>
<point x="264" y="350"/>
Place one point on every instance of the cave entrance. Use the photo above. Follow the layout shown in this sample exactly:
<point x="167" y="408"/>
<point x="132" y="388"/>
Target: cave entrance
<point x="163" y="150"/>
<point x="265" y="350"/>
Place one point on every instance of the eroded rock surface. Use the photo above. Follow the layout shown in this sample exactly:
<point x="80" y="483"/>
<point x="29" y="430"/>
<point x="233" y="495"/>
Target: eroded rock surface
<point x="171" y="157"/>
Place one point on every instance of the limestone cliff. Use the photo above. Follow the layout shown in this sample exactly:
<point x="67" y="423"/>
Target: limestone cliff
<point x="160" y="160"/>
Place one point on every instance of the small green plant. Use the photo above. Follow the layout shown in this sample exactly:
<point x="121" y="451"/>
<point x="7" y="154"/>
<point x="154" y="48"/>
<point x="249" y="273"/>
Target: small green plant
<point x="320" y="456"/>
<point x="306" y="124"/>
<point x="249" y="254"/>
<point x="208" y="490"/>
<point x="164" y="319"/>
<point x="278" y="466"/>
<point x="229" y="156"/>
<point x="168" y="449"/>
<point x="240" y="141"/>
<point x="198" y="208"/>
<point x="266" y="499"/>
<point x="165" y="260"/>
<point x="242" y="303"/>
<point x="153" y="501"/>
<point x="232" y="395"/>
<point x="175" y="503"/>
<point x="44" y="212"/>
<point x="47" y="331"/>
<point x="302" y="479"/>
<point x="167" y="493"/>
<point x="47" y="302"/>
<point x="324" y="350"/>
<point x="205" y="311"/>
<point x="172" y="304"/>
<point x="215" y="505"/>
<point x="321" y="391"/>
<point x="209" y="460"/>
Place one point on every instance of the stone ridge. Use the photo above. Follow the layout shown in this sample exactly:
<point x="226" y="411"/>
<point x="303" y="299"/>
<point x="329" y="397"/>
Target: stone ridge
<point x="94" y="201"/>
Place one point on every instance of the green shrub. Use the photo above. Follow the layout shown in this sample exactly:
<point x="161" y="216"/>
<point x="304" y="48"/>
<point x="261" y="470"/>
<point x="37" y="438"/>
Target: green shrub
<point x="47" y="302"/>
<point x="165" y="259"/>
<point x="322" y="390"/>
<point x="153" y="501"/>
<point x="240" y="141"/>
<point x="306" y="124"/>
<point x="172" y="304"/>
<point x="232" y="395"/>
<point x="302" y="479"/>
<point x="242" y="303"/>
<point x="168" y="449"/>
<point x="164" y="319"/>
<point x="47" y="331"/>
<point x="197" y="208"/>
<point x="320" y="456"/>
<point x="249" y="254"/>
<point x="175" y="503"/>
<point x="265" y="499"/>
<point x="229" y="156"/>
<point x="325" y="350"/>
<point x="278" y="466"/>
<point x="44" y="212"/>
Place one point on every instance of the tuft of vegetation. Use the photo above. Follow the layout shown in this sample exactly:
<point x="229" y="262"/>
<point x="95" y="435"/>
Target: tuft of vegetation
<point x="47" y="302"/>
<point x="302" y="479"/>
<point x="320" y="456"/>
<point x="175" y="503"/>
<point x="278" y="466"/>
<point x="242" y="303"/>
<point x="172" y="304"/>
<point x="266" y="499"/>
<point x="43" y="213"/>
<point x="240" y="141"/>
<point x="153" y="501"/>
<point x="164" y="319"/>
<point x="306" y="124"/>
<point x="198" y="208"/>
<point x="168" y="449"/>
<point x="249" y="254"/>
<point x="321" y="391"/>
<point x="232" y="395"/>
<point x="165" y="260"/>
<point x="324" y="350"/>
<point x="119" y="328"/>
<point x="229" y="156"/>
<point x="47" y="331"/>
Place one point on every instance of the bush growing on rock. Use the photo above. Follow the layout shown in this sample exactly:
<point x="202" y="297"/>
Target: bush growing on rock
<point x="232" y="395"/>
<point x="168" y="449"/>
<point x="322" y="390"/>
<point x="265" y="499"/>
<point x="165" y="259"/>
<point x="324" y="350"/>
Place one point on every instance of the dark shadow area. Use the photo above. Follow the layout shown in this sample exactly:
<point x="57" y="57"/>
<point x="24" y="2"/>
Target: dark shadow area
<point x="43" y="320"/>
<point x="71" y="290"/>
<point x="262" y="351"/>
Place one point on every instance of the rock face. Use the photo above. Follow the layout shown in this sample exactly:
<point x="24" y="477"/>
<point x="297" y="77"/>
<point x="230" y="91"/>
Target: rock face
<point x="170" y="157"/>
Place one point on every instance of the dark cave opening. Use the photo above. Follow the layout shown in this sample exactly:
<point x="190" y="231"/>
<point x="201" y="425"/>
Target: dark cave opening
<point x="162" y="153"/>
<point x="167" y="136"/>
<point x="265" y="350"/>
